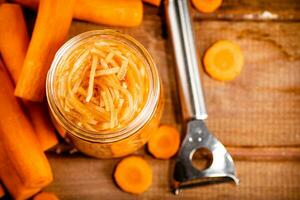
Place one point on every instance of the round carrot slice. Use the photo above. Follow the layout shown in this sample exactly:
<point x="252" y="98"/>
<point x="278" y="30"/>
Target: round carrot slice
<point x="164" y="143"/>
<point x="207" y="6"/>
<point x="133" y="174"/>
<point x="46" y="196"/>
<point x="224" y="60"/>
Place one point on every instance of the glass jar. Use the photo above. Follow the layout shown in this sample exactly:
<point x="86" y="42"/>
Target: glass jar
<point x="108" y="143"/>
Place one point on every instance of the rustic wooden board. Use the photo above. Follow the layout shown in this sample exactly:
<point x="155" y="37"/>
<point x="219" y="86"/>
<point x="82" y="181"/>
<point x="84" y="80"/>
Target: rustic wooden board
<point x="260" y="108"/>
<point x="78" y="177"/>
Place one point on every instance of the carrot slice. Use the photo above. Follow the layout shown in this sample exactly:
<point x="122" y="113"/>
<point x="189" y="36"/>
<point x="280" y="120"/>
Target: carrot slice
<point x="133" y="174"/>
<point x="45" y="196"/>
<point x="164" y="143"/>
<point x="153" y="2"/>
<point x="224" y="60"/>
<point x="207" y="6"/>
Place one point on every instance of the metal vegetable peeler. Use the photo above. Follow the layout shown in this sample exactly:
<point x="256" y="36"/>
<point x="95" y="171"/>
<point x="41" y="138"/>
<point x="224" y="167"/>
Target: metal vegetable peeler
<point x="221" y="168"/>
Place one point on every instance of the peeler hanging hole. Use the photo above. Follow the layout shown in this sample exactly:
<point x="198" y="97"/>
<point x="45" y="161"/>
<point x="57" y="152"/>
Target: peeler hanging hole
<point x="201" y="158"/>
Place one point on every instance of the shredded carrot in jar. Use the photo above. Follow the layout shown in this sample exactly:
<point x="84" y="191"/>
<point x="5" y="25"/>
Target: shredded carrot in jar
<point x="101" y="85"/>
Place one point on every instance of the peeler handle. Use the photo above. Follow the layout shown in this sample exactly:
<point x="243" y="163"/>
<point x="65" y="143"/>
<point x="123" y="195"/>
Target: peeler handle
<point x="187" y="60"/>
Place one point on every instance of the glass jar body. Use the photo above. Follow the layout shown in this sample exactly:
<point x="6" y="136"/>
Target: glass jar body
<point x="115" y="144"/>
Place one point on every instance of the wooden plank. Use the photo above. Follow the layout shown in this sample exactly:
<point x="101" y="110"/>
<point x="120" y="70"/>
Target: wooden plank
<point x="261" y="107"/>
<point x="79" y="177"/>
<point x="265" y="153"/>
<point x="262" y="10"/>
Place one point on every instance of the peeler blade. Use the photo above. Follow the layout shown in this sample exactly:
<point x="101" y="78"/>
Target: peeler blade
<point x="220" y="170"/>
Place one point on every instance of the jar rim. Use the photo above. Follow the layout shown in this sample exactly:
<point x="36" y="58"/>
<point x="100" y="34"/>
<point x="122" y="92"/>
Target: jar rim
<point x="137" y="122"/>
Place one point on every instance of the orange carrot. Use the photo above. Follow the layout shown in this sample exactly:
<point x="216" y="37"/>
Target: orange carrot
<point x="11" y="180"/>
<point x="224" y="60"/>
<point x="126" y="13"/>
<point x="42" y="125"/>
<point x="133" y="174"/>
<point x="18" y="140"/>
<point x="2" y="192"/>
<point x="207" y="6"/>
<point x="14" y="38"/>
<point x="164" y="143"/>
<point x="51" y="28"/>
<point x="45" y="196"/>
<point x="14" y="41"/>
<point x="153" y="2"/>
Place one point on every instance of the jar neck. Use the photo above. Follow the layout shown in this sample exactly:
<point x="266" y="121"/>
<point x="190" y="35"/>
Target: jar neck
<point x="141" y="118"/>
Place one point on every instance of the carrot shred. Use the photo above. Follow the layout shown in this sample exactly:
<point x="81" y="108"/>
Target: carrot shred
<point x="164" y="143"/>
<point x="207" y="6"/>
<point x="224" y="60"/>
<point x="133" y="175"/>
<point x="92" y="84"/>
<point x="92" y="79"/>
<point x="45" y="196"/>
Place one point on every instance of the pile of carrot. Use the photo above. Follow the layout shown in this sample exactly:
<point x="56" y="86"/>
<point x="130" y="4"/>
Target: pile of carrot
<point x="13" y="29"/>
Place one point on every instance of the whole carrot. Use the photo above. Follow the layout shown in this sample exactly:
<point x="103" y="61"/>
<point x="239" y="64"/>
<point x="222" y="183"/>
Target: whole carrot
<point x="51" y="28"/>
<point x="14" y="38"/>
<point x="18" y="139"/>
<point x="11" y="180"/>
<point x="125" y="13"/>
<point x="14" y="42"/>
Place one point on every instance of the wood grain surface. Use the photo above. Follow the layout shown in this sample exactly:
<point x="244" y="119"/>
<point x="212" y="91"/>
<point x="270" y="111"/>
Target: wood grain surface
<point x="255" y="116"/>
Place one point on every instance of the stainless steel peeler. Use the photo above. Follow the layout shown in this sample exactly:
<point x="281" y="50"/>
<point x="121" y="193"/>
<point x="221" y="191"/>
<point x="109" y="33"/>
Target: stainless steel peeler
<point x="221" y="168"/>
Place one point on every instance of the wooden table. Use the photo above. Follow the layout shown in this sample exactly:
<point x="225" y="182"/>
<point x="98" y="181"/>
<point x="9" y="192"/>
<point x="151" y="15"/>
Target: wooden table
<point x="257" y="116"/>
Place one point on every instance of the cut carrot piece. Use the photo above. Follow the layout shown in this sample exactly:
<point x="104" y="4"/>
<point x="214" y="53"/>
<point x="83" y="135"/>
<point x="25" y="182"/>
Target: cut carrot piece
<point x="153" y="2"/>
<point x="18" y="139"/>
<point x="13" y="29"/>
<point x="42" y="125"/>
<point x="207" y="6"/>
<point x="49" y="32"/>
<point x="126" y="13"/>
<point x="11" y="180"/>
<point x="45" y="196"/>
<point x="224" y="60"/>
<point x="2" y="192"/>
<point x="133" y="174"/>
<point x="164" y="143"/>
<point x="14" y="38"/>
